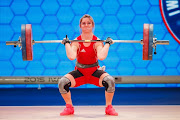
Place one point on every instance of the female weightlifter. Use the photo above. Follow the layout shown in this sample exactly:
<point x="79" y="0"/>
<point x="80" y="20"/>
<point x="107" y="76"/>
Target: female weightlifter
<point x="87" y="68"/>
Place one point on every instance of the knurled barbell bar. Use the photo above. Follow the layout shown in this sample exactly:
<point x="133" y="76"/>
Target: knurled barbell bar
<point x="26" y="42"/>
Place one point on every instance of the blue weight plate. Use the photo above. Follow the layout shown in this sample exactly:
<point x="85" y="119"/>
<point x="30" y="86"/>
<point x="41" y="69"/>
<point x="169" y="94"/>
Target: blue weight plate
<point x="23" y="41"/>
<point x="150" y="51"/>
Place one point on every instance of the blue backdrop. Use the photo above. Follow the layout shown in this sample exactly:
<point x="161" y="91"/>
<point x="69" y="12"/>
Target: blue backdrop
<point x="53" y="19"/>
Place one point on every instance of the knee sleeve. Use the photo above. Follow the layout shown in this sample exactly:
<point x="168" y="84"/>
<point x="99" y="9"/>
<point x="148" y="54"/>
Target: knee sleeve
<point x="109" y="83"/>
<point x="64" y="84"/>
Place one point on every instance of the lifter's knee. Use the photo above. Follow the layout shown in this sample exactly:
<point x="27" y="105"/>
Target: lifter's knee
<point x="64" y="84"/>
<point x="109" y="83"/>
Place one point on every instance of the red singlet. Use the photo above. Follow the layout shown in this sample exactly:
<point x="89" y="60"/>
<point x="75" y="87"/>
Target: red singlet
<point x="87" y="55"/>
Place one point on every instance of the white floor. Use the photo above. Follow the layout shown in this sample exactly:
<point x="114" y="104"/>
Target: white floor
<point x="90" y="113"/>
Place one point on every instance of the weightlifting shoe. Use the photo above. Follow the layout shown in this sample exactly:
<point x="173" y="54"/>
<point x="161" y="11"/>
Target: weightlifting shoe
<point x="69" y="110"/>
<point x="110" y="111"/>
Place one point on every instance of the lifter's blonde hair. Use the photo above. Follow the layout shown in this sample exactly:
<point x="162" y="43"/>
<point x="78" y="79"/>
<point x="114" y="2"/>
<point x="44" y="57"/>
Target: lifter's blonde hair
<point x="86" y="16"/>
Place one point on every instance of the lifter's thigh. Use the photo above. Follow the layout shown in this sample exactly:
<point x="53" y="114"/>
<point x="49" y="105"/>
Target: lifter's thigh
<point x="101" y="78"/>
<point x="71" y="78"/>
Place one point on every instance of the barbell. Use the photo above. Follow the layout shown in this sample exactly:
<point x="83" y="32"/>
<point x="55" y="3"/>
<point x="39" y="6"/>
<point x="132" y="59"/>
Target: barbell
<point x="26" y="42"/>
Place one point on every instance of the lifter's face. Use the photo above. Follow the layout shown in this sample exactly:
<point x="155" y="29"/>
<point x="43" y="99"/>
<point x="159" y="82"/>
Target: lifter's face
<point x="86" y="25"/>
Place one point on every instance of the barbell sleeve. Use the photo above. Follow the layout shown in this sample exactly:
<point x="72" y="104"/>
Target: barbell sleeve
<point x="162" y="42"/>
<point x="12" y="42"/>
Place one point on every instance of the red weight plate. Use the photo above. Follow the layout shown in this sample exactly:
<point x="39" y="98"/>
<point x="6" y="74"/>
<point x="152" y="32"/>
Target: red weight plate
<point x="145" y="41"/>
<point x="29" y="38"/>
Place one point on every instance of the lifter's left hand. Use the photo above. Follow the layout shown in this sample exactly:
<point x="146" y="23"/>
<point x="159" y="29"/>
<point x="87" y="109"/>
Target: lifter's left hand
<point x="109" y="41"/>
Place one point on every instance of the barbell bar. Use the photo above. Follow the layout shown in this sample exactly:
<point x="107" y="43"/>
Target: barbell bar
<point x="26" y="42"/>
<point x="163" y="42"/>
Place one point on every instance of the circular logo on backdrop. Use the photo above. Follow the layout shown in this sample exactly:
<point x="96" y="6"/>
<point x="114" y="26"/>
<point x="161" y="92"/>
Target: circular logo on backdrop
<point x="170" y="11"/>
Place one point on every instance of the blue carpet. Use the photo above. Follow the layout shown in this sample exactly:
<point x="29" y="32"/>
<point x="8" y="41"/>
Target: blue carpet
<point x="89" y="96"/>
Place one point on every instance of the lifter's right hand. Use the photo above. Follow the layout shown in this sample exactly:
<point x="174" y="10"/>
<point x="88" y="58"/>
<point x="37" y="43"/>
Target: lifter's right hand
<point x="65" y="40"/>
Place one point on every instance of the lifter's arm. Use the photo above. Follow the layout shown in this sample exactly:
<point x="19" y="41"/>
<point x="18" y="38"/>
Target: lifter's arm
<point x="71" y="49"/>
<point x="102" y="50"/>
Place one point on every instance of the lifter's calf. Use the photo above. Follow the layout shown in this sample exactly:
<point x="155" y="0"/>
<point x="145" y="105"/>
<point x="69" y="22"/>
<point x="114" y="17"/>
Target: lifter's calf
<point x="64" y="84"/>
<point x="109" y="84"/>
